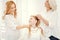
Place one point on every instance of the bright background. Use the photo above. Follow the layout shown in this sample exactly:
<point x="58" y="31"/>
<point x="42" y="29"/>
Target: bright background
<point x="26" y="8"/>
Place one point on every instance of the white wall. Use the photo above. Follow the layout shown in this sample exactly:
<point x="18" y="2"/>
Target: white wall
<point x="58" y="20"/>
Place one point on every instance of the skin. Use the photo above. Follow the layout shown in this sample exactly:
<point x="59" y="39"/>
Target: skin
<point x="48" y="8"/>
<point x="12" y="9"/>
<point x="32" y="23"/>
<point x="44" y="20"/>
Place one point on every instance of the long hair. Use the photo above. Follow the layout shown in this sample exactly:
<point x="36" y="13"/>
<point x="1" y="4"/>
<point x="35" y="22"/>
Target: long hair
<point x="8" y="6"/>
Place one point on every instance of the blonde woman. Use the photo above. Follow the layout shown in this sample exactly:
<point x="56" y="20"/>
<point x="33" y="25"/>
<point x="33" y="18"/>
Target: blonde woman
<point x="51" y="19"/>
<point x="10" y="21"/>
<point x="51" y="8"/>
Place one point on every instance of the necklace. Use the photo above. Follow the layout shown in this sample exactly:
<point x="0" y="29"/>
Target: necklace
<point x="34" y="29"/>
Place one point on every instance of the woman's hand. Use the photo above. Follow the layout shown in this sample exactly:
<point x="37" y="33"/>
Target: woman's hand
<point x="39" y="16"/>
<point x="18" y="27"/>
<point x="44" y="20"/>
<point x="21" y="27"/>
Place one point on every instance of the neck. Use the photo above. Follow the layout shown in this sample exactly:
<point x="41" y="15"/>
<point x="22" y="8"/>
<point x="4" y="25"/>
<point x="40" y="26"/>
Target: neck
<point x="12" y="13"/>
<point x="34" y="26"/>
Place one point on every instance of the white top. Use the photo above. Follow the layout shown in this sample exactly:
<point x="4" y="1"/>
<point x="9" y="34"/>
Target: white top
<point x="36" y="34"/>
<point x="51" y="17"/>
<point x="10" y="22"/>
<point x="24" y="34"/>
<point x="10" y="25"/>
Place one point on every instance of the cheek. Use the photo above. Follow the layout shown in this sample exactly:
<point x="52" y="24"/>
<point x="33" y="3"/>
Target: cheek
<point x="31" y="22"/>
<point x="13" y="9"/>
<point x="46" y="5"/>
<point x="34" y="21"/>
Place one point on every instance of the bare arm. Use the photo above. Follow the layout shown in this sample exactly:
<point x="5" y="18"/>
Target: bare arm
<point x="21" y="27"/>
<point x="44" y="20"/>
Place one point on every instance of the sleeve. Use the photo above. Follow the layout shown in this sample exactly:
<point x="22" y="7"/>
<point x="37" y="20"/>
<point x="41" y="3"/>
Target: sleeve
<point x="49" y="21"/>
<point x="10" y="23"/>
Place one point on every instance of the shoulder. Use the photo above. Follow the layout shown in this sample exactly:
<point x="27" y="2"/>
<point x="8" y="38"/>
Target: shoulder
<point x="8" y="17"/>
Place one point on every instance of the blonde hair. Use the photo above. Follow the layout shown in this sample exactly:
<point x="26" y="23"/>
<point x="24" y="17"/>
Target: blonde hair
<point x="8" y="5"/>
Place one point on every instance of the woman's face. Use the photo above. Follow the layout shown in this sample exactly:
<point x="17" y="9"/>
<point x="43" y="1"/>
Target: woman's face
<point x="32" y="21"/>
<point x="47" y="5"/>
<point x="12" y="8"/>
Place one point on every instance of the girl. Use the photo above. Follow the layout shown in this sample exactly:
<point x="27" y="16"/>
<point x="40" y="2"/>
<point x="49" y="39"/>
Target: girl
<point x="33" y="30"/>
<point x="36" y="32"/>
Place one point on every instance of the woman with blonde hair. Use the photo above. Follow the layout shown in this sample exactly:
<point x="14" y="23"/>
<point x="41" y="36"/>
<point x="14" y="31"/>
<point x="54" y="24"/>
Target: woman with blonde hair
<point x="51" y="8"/>
<point x="51" y="19"/>
<point x="10" y="21"/>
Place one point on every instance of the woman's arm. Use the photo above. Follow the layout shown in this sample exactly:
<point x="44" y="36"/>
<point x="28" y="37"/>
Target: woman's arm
<point x="42" y="31"/>
<point x="43" y="36"/>
<point x="44" y="20"/>
<point x="29" y="32"/>
<point x="21" y="27"/>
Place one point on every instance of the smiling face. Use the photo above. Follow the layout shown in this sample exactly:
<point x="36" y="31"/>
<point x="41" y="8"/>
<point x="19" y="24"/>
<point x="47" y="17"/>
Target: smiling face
<point x="32" y="21"/>
<point x="12" y="8"/>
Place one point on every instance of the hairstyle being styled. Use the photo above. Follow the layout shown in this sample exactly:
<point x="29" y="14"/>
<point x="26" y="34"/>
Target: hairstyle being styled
<point x="8" y="6"/>
<point x="38" y="20"/>
<point x="37" y="25"/>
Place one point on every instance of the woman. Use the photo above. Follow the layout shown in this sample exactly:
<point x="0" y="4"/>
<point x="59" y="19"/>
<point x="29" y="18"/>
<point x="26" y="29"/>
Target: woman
<point x="33" y="30"/>
<point x="10" y="21"/>
<point x="51" y="19"/>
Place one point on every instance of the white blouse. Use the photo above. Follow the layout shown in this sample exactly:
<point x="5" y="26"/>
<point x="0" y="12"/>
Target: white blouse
<point x="36" y="34"/>
<point x="10" y="24"/>
<point x="51" y="17"/>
